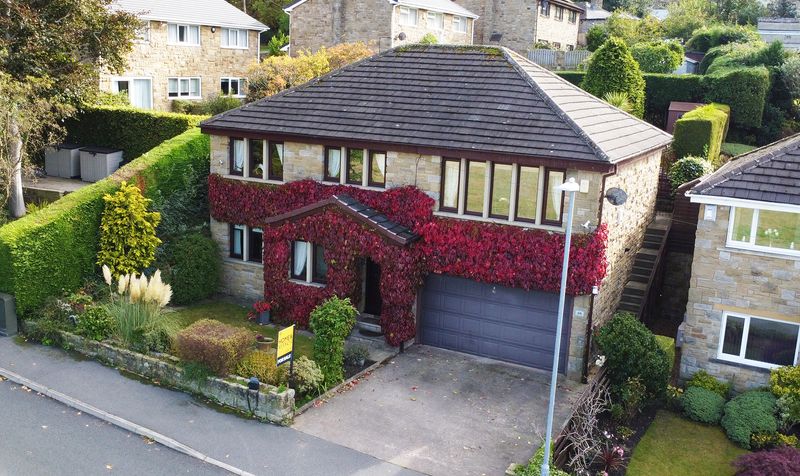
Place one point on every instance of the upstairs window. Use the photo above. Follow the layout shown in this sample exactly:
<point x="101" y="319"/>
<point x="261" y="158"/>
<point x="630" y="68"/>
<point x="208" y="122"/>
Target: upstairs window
<point x="544" y="10"/>
<point x="407" y="16"/>
<point x="143" y="33"/>
<point x="573" y="16"/>
<point x="308" y="263"/>
<point x="355" y="166"/>
<point x="361" y="167"/>
<point x="333" y="165"/>
<point x="185" y="35"/>
<point x="435" y="21"/>
<point x="265" y="159"/>
<point x="377" y="169"/>
<point x="767" y="230"/>
<point x="232" y="87"/>
<point x="559" y="13"/>
<point x="459" y="24"/>
<point x="237" y="155"/>
<point x="233" y="38"/>
<point x="183" y="88"/>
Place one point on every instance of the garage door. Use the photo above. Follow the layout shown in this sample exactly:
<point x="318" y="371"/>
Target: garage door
<point x="498" y="322"/>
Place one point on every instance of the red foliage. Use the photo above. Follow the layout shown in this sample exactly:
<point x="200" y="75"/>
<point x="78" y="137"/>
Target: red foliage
<point x="782" y="461"/>
<point x="506" y="255"/>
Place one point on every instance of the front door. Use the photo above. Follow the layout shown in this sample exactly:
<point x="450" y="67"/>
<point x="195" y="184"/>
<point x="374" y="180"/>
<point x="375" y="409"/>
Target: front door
<point x="372" y="289"/>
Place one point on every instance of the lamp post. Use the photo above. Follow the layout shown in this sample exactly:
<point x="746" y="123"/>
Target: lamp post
<point x="572" y="188"/>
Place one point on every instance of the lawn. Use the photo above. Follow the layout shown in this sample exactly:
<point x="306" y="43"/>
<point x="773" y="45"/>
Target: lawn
<point x="236" y="315"/>
<point x="674" y="445"/>
<point x="733" y="149"/>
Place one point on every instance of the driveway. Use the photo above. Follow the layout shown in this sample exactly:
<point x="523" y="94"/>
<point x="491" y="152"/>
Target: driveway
<point x="443" y="413"/>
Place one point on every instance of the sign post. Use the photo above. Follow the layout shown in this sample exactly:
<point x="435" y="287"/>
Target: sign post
<point x="286" y="350"/>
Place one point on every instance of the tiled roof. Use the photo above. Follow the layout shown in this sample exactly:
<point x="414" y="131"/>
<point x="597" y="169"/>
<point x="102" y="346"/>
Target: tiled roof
<point x="194" y="12"/>
<point x="460" y="98"/>
<point x="768" y="174"/>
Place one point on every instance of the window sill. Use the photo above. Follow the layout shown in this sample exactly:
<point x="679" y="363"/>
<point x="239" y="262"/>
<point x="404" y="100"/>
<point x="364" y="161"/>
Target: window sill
<point x="253" y="179"/>
<point x="235" y="47"/>
<point x="306" y="283"/>
<point x="230" y="260"/>
<point x="184" y="44"/>
<point x="368" y="187"/>
<point x="766" y="368"/>
<point x="500" y="221"/>
<point x="186" y="98"/>
<point x="794" y="256"/>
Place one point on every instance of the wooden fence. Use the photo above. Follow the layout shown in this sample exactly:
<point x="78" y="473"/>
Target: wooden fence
<point x="556" y="59"/>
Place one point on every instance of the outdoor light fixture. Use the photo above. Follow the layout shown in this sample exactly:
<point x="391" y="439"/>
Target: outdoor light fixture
<point x="213" y="29"/>
<point x="253" y="384"/>
<point x="570" y="187"/>
<point x="616" y="196"/>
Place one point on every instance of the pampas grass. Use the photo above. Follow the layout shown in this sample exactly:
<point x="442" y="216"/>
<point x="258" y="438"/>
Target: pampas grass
<point x="139" y="309"/>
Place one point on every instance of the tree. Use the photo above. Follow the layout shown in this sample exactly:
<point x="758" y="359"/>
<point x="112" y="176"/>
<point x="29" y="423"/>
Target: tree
<point x="52" y="53"/>
<point x="658" y="57"/>
<point x="791" y="75"/>
<point x="686" y="16"/>
<point x="595" y="37"/>
<point x="268" y="12"/>
<point x="782" y="8"/>
<point x="612" y="69"/>
<point x="741" y="12"/>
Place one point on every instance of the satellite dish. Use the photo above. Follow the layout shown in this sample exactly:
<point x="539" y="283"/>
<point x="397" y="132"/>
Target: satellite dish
<point x="616" y="196"/>
<point x="401" y="36"/>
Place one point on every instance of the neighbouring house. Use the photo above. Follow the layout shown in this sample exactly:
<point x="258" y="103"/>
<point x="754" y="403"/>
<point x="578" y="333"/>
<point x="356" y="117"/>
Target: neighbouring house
<point x="421" y="183"/>
<point x="186" y="50"/>
<point x="382" y="24"/>
<point x="743" y="313"/>
<point x="785" y="30"/>
<point x="592" y="15"/>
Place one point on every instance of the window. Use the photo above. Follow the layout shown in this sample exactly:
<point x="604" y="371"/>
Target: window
<point x="246" y="243"/>
<point x="573" y="16"/>
<point x="408" y="16"/>
<point x="459" y="24"/>
<point x="553" y="198"/>
<point x="186" y="35"/>
<point x="255" y="246"/>
<point x="451" y="172"/>
<point x="233" y="38"/>
<point x="143" y="33"/>
<point x="758" y="341"/>
<point x="184" y="88"/>
<point x="501" y="190"/>
<point x="557" y="45"/>
<point x="377" y="169"/>
<point x="275" y="168"/>
<point x="476" y="187"/>
<point x="559" y="13"/>
<point x="767" y="230"/>
<point x="570" y="47"/>
<point x="545" y="9"/>
<point x="355" y="166"/>
<point x="435" y="21"/>
<point x="361" y="167"/>
<point x="237" y="241"/>
<point x="237" y="155"/>
<point x="272" y="168"/>
<point x="232" y="87"/>
<point x="308" y="263"/>
<point x="256" y="158"/>
<point x="333" y="164"/>
<point x="527" y="194"/>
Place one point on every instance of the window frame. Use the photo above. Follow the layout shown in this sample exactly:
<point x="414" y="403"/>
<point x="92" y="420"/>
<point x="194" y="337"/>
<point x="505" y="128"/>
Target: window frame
<point x="546" y="199"/>
<point x="226" y="32"/>
<point x="143" y="33"/>
<point x="511" y="191"/>
<point x="539" y="189"/>
<point x="466" y="187"/>
<point x="572" y="17"/>
<point x="364" y="167"/>
<point x="232" y="151"/>
<point x="310" y="278"/>
<point x="325" y="176"/>
<point x="443" y="175"/>
<point x="188" y="80"/>
<point x="370" y="182"/>
<point x="260" y="257"/>
<point x="544" y="10"/>
<point x="751" y="244"/>
<point x="241" y="82"/>
<point x="177" y="41"/>
<point x="409" y="13"/>
<point x="559" y="16"/>
<point x="271" y="175"/>
<point x="460" y="24"/>
<point x="232" y="229"/>
<point x="439" y="24"/>
<point x="740" y="359"/>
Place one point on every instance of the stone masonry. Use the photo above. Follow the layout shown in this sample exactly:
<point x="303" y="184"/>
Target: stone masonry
<point x="157" y="60"/>
<point x="733" y="280"/>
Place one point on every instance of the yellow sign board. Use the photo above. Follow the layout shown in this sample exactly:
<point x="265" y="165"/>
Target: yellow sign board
<point x="285" y="345"/>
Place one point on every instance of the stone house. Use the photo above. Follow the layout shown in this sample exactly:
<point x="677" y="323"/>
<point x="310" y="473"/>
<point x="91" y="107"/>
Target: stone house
<point x="382" y="24"/>
<point x="785" y="30"/>
<point x="186" y="50"/>
<point x="421" y="183"/>
<point x="743" y="312"/>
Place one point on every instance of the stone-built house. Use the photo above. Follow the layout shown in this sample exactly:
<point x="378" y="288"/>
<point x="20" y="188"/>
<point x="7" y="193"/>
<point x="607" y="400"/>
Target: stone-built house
<point x="382" y="24"/>
<point x="516" y="24"/>
<point x="743" y="312"/>
<point x="186" y="50"/>
<point x="421" y="183"/>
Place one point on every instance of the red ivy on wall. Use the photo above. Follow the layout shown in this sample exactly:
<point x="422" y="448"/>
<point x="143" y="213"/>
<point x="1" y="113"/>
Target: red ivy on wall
<point x="506" y="255"/>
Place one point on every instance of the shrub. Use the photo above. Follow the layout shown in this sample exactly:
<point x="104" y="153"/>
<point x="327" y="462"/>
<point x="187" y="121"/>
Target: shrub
<point x="207" y="107"/>
<point x="743" y="89"/>
<point x="54" y="316"/>
<point x="705" y="406"/>
<point x="749" y="413"/>
<point x="687" y="169"/>
<point x="674" y="398"/>
<point x="137" y="312"/>
<point x="595" y="37"/>
<point x="354" y="354"/>
<point x="613" y="69"/>
<point x="216" y="345"/>
<point x="657" y="57"/>
<point x="618" y="100"/>
<point x="127" y="232"/>
<point x="781" y="461"/>
<point x="700" y="132"/>
<point x="308" y="378"/>
<point x="195" y="268"/>
<point x="784" y="383"/>
<point x="721" y="34"/>
<point x="262" y="365"/>
<point x="772" y="440"/>
<point x="791" y="75"/>
<point x="702" y="379"/>
<point x="429" y="39"/>
<point x="534" y="466"/>
<point x="631" y="350"/>
<point x="632" y="395"/>
<point x="332" y="322"/>
<point x="95" y="323"/>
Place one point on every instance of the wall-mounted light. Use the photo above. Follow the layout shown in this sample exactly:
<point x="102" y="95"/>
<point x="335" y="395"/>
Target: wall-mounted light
<point x="213" y="29"/>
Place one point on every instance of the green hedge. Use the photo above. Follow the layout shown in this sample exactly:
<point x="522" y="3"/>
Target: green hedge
<point x="52" y="250"/>
<point x="700" y="132"/>
<point x="135" y="131"/>
<point x="743" y="89"/>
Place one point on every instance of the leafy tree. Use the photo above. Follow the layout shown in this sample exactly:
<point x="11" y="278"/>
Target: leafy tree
<point x="276" y="43"/>
<point x="51" y="52"/>
<point x="782" y="8"/>
<point x="791" y="75"/>
<point x="686" y="16"/>
<point x="658" y="57"/>
<point x="613" y="69"/>
<point x="595" y="37"/>
<point x="639" y="7"/>
<point x="332" y="322"/>
<point x="268" y="12"/>
<point x="741" y="12"/>
<point x="633" y="30"/>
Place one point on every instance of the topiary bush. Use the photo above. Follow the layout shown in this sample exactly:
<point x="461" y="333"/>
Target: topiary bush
<point x="194" y="268"/>
<point x="749" y="413"/>
<point x="702" y="379"/>
<point x="128" y="239"/>
<point x="687" y="169"/>
<point x="332" y="322"/>
<point x="308" y="378"/>
<point x="705" y="406"/>
<point x="262" y="365"/>
<point x="595" y="37"/>
<point x="780" y="461"/>
<point x="95" y="323"/>
<point x="744" y="89"/>
<point x="613" y="69"/>
<point x="658" y="57"/>
<point x="216" y="345"/>
<point x="631" y="350"/>
<point x="701" y="132"/>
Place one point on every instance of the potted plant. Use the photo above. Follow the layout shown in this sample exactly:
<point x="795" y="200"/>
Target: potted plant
<point x="264" y="343"/>
<point x="356" y="355"/>
<point x="260" y="313"/>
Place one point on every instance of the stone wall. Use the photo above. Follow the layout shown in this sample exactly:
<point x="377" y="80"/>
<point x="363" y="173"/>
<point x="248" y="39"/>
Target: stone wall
<point x="742" y="281"/>
<point x="272" y="406"/>
<point x="447" y="35"/>
<point x="318" y="23"/>
<point x="554" y="31"/>
<point x="577" y="337"/>
<point x="158" y="61"/>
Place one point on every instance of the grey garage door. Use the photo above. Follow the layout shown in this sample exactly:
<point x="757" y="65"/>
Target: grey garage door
<point x="498" y="322"/>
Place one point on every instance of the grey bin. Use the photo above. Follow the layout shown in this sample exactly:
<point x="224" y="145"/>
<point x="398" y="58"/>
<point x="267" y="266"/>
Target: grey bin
<point x="8" y="315"/>
<point x="98" y="163"/>
<point x="63" y="160"/>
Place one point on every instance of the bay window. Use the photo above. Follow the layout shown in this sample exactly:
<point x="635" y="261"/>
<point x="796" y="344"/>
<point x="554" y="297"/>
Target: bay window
<point x="767" y="230"/>
<point x="758" y="341"/>
<point x="246" y="243"/>
<point x="183" y="88"/>
<point x="234" y="38"/>
<point x="308" y="263"/>
<point x="355" y="166"/>
<point x="185" y="35"/>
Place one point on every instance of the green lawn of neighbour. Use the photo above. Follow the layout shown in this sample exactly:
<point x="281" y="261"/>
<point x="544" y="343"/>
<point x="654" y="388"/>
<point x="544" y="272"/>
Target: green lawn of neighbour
<point x="733" y="149"/>
<point x="236" y="315"/>
<point x="674" y="445"/>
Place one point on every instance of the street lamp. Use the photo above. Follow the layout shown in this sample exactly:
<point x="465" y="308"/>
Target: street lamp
<point x="572" y="188"/>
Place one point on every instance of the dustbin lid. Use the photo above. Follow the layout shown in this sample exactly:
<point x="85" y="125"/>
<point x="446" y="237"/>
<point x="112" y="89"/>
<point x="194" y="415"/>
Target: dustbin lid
<point x="100" y="150"/>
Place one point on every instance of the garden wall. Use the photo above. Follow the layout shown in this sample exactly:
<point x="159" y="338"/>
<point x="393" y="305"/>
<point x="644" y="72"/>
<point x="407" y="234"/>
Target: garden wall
<point x="272" y="406"/>
<point x="51" y="251"/>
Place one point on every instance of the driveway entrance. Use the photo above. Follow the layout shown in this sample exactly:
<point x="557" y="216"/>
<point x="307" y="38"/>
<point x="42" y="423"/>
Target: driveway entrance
<point x="443" y="413"/>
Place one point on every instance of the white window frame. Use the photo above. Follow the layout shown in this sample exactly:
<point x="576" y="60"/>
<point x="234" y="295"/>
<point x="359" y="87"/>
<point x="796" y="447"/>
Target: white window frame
<point x="177" y="41"/>
<point x="411" y="16"/>
<point x="129" y="79"/>
<point x="189" y="79"/>
<point x="460" y="24"/>
<point x="437" y="25"/>
<point x="241" y="81"/>
<point x="739" y="359"/>
<point x="225" y="38"/>
<point x="751" y="245"/>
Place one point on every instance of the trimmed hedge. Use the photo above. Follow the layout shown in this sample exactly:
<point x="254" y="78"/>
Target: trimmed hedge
<point x="750" y="413"/>
<point x="708" y="37"/>
<point x="50" y="251"/>
<point x="216" y="345"/>
<point x="703" y="405"/>
<point x="743" y="89"/>
<point x="135" y="131"/>
<point x="700" y="132"/>
<point x="613" y="69"/>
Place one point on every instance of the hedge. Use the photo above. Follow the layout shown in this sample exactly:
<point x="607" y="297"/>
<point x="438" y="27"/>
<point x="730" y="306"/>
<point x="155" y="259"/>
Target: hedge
<point x="743" y="89"/>
<point x="50" y="251"/>
<point x="700" y="132"/>
<point x="135" y="131"/>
